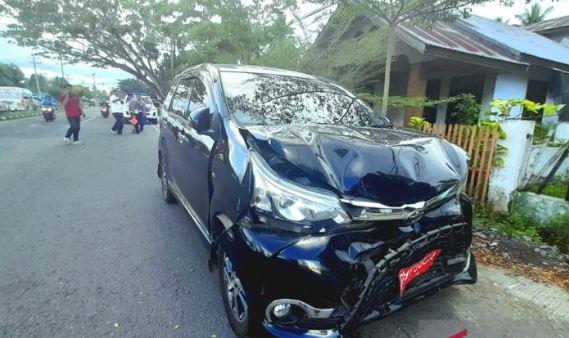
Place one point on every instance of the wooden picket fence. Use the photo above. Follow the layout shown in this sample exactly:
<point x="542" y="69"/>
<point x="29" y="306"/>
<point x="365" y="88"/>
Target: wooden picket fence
<point x="480" y="144"/>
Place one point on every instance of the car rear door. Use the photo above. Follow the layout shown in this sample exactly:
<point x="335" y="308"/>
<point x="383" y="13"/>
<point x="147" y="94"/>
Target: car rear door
<point x="196" y="151"/>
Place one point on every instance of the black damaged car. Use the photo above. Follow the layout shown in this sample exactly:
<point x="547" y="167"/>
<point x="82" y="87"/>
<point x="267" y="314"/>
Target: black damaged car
<point x="320" y="215"/>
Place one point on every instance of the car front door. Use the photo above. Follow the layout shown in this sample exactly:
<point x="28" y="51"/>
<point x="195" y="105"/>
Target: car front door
<point x="196" y="151"/>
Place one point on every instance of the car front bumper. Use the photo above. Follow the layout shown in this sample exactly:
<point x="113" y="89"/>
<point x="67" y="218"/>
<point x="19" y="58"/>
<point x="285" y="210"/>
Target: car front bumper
<point x="468" y="276"/>
<point x="350" y="278"/>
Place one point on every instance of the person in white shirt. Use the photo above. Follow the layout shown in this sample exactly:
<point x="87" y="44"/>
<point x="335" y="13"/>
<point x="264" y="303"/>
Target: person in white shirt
<point x="117" y="109"/>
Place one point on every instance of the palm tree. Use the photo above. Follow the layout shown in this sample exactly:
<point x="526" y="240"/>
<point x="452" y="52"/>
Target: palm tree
<point x="534" y="14"/>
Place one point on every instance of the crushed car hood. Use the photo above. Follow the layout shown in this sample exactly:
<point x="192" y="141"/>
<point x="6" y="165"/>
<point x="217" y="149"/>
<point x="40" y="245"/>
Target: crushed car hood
<point x="385" y="165"/>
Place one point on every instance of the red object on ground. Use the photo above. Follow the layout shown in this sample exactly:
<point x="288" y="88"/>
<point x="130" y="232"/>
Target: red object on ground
<point x="460" y="334"/>
<point x="406" y="275"/>
<point x="72" y="107"/>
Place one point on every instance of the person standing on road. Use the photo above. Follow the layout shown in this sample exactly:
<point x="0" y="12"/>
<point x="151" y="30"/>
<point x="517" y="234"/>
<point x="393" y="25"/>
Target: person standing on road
<point x="136" y="107"/>
<point x="73" y="112"/>
<point x="117" y="108"/>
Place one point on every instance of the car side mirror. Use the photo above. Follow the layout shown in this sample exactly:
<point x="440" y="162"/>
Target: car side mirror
<point x="200" y="119"/>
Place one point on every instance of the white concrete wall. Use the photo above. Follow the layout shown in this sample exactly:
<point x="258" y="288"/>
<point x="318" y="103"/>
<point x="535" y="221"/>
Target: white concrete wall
<point x="511" y="86"/>
<point x="540" y="208"/>
<point x="562" y="132"/>
<point x="539" y="158"/>
<point x="487" y="94"/>
<point x="504" y="181"/>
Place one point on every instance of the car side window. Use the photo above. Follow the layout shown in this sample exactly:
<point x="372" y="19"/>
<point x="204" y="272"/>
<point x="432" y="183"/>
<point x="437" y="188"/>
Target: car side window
<point x="168" y="99"/>
<point x="199" y="97"/>
<point x="181" y="98"/>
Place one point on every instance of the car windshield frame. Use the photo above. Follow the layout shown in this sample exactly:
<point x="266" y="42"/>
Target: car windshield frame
<point x="335" y="91"/>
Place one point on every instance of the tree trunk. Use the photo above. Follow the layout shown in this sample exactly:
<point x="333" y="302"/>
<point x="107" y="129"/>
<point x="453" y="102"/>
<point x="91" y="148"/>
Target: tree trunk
<point x="388" y="57"/>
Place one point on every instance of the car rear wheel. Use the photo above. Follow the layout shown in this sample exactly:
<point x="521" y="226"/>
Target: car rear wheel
<point x="167" y="194"/>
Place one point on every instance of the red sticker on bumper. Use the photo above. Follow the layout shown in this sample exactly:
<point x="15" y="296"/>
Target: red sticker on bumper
<point x="406" y="275"/>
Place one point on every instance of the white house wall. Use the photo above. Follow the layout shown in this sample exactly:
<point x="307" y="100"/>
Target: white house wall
<point x="511" y="86"/>
<point x="488" y="92"/>
<point x="504" y="181"/>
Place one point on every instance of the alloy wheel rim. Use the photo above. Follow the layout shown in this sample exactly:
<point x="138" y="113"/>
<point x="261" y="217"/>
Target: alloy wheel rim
<point x="234" y="291"/>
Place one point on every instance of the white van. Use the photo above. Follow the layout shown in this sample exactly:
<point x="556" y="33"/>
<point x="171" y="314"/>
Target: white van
<point x="150" y="110"/>
<point x="15" y="98"/>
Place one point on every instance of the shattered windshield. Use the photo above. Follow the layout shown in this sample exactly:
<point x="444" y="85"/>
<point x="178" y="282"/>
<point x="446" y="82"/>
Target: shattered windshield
<point x="269" y="99"/>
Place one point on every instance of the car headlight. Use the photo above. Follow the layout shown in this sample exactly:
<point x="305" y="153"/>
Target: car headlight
<point x="292" y="202"/>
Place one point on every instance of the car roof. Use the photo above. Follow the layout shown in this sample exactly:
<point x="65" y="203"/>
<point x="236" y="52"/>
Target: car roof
<point x="213" y="69"/>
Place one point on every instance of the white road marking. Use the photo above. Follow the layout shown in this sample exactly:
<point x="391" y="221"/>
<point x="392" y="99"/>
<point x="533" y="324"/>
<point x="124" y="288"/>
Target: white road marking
<point x="89" y="119"/>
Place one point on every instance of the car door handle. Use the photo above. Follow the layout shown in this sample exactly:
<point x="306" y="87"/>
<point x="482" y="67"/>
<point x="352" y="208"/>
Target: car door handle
<point x="182" y="138"/>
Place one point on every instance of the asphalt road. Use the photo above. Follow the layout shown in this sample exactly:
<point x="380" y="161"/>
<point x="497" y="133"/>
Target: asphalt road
<point x="87" y="248"/>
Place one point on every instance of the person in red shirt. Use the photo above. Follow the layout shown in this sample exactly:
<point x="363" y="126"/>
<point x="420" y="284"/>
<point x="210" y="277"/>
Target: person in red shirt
<point x="73" y="112"/>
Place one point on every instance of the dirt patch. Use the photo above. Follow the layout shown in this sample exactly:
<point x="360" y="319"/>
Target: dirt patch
<point x="538" y="262"/>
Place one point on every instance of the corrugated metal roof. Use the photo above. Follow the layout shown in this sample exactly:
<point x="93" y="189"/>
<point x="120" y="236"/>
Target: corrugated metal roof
<point x="521" y="40"/>
<point x="457" y="36"/>
<point x="552" y="24"/>
<point x="490" y="39"/>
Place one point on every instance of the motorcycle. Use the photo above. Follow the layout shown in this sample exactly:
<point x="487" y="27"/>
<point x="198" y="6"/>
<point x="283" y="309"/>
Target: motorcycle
<point x="105" y="111"/>
<point x="48" y="113"/>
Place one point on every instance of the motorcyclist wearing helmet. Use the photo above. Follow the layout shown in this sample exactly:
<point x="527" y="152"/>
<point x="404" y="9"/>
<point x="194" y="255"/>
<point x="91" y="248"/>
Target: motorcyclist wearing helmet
<point x="47" y="100"/>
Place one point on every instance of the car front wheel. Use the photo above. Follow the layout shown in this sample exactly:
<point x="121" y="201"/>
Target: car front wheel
<point x="234" y="297"/>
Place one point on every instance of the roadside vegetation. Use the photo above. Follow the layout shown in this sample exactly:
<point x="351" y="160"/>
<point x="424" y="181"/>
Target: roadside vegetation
<point x="555" y="232"/>
<point x="554" y="189"/>
<point x="12" y="115"/>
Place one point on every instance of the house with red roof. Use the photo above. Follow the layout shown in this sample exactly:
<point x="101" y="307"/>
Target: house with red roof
<point x="488" y="59"/>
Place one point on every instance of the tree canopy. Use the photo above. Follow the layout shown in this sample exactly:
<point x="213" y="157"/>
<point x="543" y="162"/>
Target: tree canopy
<point x="156" y="39"/>
<point x="11" y="75"/>
<point x="131" y="85"/>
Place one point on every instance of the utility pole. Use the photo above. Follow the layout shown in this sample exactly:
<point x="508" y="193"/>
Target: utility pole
<point x="36" y="75"/>
<point x="61" y="63"/>
<point x="94" y="87"/>
<point x="172" y="55"/>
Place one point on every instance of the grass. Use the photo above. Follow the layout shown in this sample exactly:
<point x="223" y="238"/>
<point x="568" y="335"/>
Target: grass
<point x="11" y="115"/>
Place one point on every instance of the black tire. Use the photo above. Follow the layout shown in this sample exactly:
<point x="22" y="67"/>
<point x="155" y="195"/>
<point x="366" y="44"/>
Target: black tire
<point x="167" y="194"/>
<point x="241" y="325"/>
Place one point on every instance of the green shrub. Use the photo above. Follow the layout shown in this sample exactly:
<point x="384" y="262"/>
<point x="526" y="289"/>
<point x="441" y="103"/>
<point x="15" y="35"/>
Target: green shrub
<point x="540" y="134"/>
<point x="511" y="224"/>
<point x="555" y="189"/>
<point x="556" y="232"/>
<point x="467" y="109"/>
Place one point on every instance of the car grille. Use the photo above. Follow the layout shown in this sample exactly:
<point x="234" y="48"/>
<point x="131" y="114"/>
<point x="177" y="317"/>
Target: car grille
<point x="373" y="295"/>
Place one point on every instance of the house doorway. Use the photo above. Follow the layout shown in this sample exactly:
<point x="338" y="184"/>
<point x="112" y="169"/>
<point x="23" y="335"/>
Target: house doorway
<point x="432" y="93"/>
<point x="473" y="84"/>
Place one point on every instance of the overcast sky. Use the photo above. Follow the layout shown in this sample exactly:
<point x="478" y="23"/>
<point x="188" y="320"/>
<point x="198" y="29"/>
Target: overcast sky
<point x="107" y="78"/>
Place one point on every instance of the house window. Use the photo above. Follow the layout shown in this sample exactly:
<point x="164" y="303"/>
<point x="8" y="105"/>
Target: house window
<point x="432" y="93"/>
<point x="537" y="92"/>
<point x="463" y="85"/>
